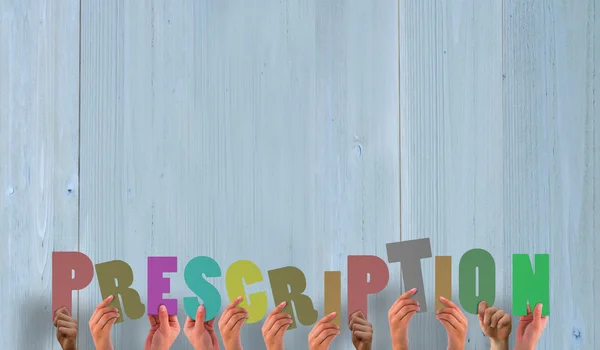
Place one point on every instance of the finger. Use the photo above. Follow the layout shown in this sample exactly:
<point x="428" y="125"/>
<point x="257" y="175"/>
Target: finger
<point x="358" y="314"/>
<point x="322" y="327"/>
<point x="173" y="320"/>
<point x="528" y="309"/>
<point x="278" y="309"/>
<point x="481" y="309"/>
<point x="63" y="317"/>
<point x="106" y="318"/>
<point x="272" y="320"/>
<point x="449" y="320"/>
<point x="537" y="314"/>
<point x="407" y="294"/>
<point x="451" y="311"/>
<point x="280" y="327"/>
<point x="189" y="323"/>
<point x="163" y="318"/>
<point x="398" y="305"/>
<point x="234" y="303"/>
<point x="98" y="314"/>
<point x="238" y="321"/>
<point x="363" y="336"/>
<point x="405" y="313"/>
<point x="448" y="303"/>
<point x="210" y="325"/>
<point x="228" y="316"/>
<point x="62" y="310"/>
<point x="487" y="317"/>
<point x="152" y="320"/>
<point x="327" y="318"/>
<point x="68" y="332"/>
<point x="504" y="321"/>
<point x="361" y="328"/>
<point x="326" y="337"/>
<point x="497" y="316"/>
<point x="356" y="320"/>
<point x="104" y="303"/>
<point x="200" y="315"/>
<point x="66" y="324"/>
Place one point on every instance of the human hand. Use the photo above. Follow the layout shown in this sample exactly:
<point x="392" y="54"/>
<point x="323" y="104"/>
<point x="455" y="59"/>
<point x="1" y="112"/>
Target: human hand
<point x="66" y="329"/>
<point x="231" y="323"/>
<point x="163" y="330"/>
<point x="323" y="333"/>
<point x="275" y="326"/>
<point x="455" y="323"/>
<point x="101" y="324"/>
<point x="362" y="331"/>
<point x="495" y="324"/>
<point x="399" y="317"/>
<point x="201" y="334"/>
<point x="530" y="328"/>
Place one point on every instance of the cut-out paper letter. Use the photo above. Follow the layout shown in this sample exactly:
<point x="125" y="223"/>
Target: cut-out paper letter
<point x="158" y="284"/>
<point x="409" y="255"/>
<point x="367" y="274"/>
<point x="288" y="283"/>
<point x="333" y="294"/>
<point x="209" y="294"/>
<point x="115" y="278"/>
<point x="476" y="264"/>
<point x="530" y="286"/>
<point x="246" y="271"/>
<point x="443" y="280"/>
<point x="63" y="282"/>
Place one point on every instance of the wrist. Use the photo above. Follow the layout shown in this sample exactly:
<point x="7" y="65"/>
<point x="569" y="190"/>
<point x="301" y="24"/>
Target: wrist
<point x="233" y="346"/>
<point x="400" y="346"/>
<point x="498" y="344"/>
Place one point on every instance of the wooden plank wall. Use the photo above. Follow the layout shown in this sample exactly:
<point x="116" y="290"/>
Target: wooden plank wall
<point x="265" y="131"/>
<point x="499" y="147"/>
<point x="39" y="137"/>
<point x="222" y="129"/>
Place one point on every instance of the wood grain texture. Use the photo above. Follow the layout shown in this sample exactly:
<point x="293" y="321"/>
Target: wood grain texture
<point x="39" y="81"/>
<point x="499" y="149"/>
<point x="264" y="131"/>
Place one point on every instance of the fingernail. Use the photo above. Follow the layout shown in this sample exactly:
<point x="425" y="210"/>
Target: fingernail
<point x="201" y="307"/>
<point x="282" y="304"/>
<point x="413" y="290"/>
<point x="162" y="308"/>
<point x="442" y="298"/>
<point x="333" y="313"/>
<point x="240" y="298"/>
<point x="418" y="309"/>
<point x="110" y="297"/>
<point x="290" y="321"/>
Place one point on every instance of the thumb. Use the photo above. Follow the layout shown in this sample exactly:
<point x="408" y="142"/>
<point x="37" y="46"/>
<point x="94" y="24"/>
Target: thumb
<point x="163" y="317"/>
<point x="537" y="315"/>
<point x="200" y="315"/>
<point x="481" y="310"/>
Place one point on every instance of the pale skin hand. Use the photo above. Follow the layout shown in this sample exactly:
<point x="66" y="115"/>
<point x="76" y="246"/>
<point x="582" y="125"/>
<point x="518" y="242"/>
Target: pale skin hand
<point x="275" y="326"/>
<point x="495" y="324"/>
<point x="101" y="324"/>
<point x="323" y="333"/>
<point x="362" y="331"/>
<point x="530" y="328"/>
<point x="66" y="329"/>
<point x="399" y="316"/>
<point x="231" y="323"/>
<point x="455" y="323"/>
<point x="163" y="330"/>
<point x="201" y="334"/>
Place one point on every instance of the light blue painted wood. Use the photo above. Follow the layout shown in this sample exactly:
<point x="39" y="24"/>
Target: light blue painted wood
<point x="39" y="60"/>
<point x="264" y="131"/>
<point x="497" y="124"/>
